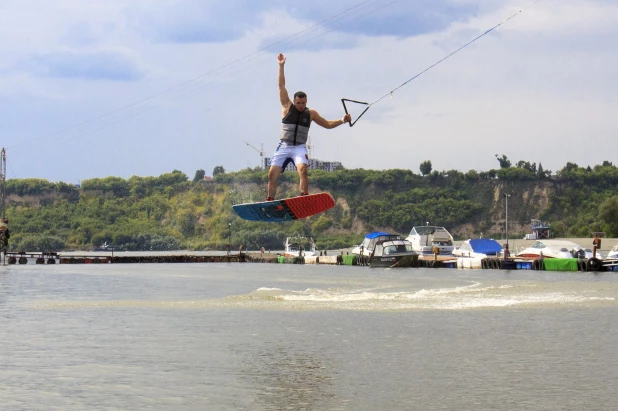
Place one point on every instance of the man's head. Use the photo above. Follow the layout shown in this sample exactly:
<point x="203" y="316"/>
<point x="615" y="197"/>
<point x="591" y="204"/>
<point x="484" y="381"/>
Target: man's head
<point x="300" y="100"/>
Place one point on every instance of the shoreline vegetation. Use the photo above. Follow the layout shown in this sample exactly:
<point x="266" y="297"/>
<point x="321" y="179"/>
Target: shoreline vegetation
<point x="173" y="212"/>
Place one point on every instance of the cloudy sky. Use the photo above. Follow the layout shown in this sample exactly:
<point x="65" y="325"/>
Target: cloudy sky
<point x="136" y="87"/>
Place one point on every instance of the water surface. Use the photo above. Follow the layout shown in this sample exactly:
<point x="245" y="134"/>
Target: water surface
<point x="275" y="337"/>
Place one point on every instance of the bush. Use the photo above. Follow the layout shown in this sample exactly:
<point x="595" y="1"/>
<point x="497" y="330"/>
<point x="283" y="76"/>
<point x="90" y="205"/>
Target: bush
<point x="270" y="239"/>
<point x="38" y="242"/>
<point x="323" y="223"/>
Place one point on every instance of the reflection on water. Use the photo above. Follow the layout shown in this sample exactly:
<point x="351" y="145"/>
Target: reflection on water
<point x="286" y="378"/>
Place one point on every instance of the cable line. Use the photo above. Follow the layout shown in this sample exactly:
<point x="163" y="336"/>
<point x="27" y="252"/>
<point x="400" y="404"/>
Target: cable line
<point x="390" y="93"/>
<point x="191" y="83"/>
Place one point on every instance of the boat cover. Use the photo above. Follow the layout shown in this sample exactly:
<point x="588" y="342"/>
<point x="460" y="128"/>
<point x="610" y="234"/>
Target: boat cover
<point x="560" y="264"/>
<point x="376" y="234"/>
<point x="485" y="246"/>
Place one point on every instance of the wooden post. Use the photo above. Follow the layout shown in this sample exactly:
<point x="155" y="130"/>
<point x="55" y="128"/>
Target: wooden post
<point x="596" y="243"/>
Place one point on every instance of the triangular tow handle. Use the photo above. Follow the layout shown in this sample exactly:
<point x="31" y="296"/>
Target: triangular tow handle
<point x="343" y="100"/>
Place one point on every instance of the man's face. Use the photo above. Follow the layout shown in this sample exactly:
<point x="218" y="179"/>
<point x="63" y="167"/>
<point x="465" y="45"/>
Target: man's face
<point x="300" y="103"/>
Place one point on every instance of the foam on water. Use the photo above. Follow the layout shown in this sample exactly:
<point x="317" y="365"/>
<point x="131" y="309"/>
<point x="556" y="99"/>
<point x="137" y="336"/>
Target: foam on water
<point x="471" y="296"/>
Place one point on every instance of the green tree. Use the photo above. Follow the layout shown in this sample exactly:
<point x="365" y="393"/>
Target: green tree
<point x="218" y="170"/>
<point x="186" y="223"/>
<point x="199" y="175"/>
<point x="29" y="186"/>
<point x="425" y="167"/>
<point x="559" y="229"/>
<point x="254" y="239"/>
<point x="608" y="213"/>
<point x="472" y="175"/>
<point x="526" y="165"/>
<point x="42" y="242"/>
<point x="170" y="179"/>
<point x="322" y="223"/>
<point x="542" y="173"/>
<point x="504" y="161"/>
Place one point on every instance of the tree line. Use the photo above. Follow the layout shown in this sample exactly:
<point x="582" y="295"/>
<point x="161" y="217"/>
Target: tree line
<point x="172" y="212"/>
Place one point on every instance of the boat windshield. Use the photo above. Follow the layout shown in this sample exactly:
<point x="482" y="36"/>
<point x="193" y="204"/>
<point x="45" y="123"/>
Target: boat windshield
<point x="465" y="247"/>
<point x="306" y="243"/>
<point x="383" y="238"/>
<point x="427" y="229"/>
<point x="424" y="229"/>
<point x="539" y="244"/>
<point x="400" y="248"/>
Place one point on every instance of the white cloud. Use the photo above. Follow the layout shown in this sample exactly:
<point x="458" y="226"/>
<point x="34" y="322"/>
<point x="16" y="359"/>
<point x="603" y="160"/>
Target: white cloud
<point x="115" y="65"/>
<point x="539" y="88"/>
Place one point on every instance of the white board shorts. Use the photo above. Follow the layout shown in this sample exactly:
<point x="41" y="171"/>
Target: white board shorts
<point x="297" y="153"/>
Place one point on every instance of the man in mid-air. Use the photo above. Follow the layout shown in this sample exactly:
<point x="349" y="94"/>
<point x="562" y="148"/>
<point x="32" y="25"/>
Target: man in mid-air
<point x="296" y="119"/>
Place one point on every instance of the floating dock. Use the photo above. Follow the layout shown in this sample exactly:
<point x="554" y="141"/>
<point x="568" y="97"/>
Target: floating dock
<point x="423" y="261"/>
<point x="55" y="258"/>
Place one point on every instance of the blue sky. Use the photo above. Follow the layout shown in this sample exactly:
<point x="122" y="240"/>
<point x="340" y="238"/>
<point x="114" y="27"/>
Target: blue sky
<point x="141" y="88"/>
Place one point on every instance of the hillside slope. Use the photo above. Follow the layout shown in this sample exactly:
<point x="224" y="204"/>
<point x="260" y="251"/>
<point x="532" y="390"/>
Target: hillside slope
<point x="170" y="212"/>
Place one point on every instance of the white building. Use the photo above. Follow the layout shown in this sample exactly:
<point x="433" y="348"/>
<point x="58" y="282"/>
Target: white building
<point x="314" y="164"/>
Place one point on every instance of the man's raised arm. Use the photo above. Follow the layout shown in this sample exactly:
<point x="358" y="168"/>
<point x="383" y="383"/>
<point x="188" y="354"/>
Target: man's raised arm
<point x="321" y="121"/>
<point x="283" y="92"/>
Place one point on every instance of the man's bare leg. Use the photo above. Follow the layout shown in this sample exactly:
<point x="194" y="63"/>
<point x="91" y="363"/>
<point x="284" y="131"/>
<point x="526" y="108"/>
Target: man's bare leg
<point x="304" y="178"/>
<point x="273" y="176"/>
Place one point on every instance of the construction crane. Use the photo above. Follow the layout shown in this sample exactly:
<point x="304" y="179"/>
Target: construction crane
<point x="4" y="226"/>
<point x="2" y="182"/>
<point x="261" y="151"/>
<point x="309" y="147"/>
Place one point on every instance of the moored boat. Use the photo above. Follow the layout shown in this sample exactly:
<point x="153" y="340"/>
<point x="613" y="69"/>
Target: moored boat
<point x="479" y="248"/>
<point x="107" y="247"/>
<point x="613" y="254"/>
<point x="426" y="239"/>
<point x="383" y="249"/>
<point x="298" y="246"/>
<point x="553" y="249"/>
<point x="472" y="252"/>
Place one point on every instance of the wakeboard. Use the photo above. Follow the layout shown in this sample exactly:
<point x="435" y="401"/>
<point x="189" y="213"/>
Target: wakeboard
<point x="288" y="209"/>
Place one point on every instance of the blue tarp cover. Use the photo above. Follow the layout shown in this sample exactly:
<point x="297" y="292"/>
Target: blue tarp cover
<point x="485" y="246"/>
<point x="376" y="234"/>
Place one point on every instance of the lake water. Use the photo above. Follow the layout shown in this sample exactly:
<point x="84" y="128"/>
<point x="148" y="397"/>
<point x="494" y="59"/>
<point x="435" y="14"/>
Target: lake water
<point x="293" y="337"/>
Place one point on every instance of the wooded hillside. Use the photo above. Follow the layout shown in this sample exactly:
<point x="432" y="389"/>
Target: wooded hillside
<point x="172" y="212"/>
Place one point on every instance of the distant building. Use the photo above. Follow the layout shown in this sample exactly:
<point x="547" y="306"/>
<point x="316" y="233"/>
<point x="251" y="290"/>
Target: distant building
<point x="539" y="230"/>
<point x="314" y="164"/>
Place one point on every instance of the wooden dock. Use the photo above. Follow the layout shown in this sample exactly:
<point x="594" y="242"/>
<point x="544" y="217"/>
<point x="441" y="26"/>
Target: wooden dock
<point x="423" y="261"/>
<point x="56" y="258"/>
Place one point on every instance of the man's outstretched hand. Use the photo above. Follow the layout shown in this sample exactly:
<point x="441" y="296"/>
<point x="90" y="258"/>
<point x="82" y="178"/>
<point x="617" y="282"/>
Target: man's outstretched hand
<point x="347" y="118"/>
<point x="281" y="59"/>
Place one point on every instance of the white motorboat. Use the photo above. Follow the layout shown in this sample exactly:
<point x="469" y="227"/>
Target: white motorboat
<point x="553" y="249"/>
<point x="426" y="238"/>
<point x="107" y="247"/>
<point x="613" y="254"/>
<point x="472" y="252"/>
<point x="369" y="242"/>
<point x="589" y="253"/>
<point x="386" y="250"/>
<point x="479" y="248"/>
<point x="299" y="247"/>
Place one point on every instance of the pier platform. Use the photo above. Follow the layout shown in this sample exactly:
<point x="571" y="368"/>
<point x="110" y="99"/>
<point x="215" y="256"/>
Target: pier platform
<point x="424" y="261"/>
